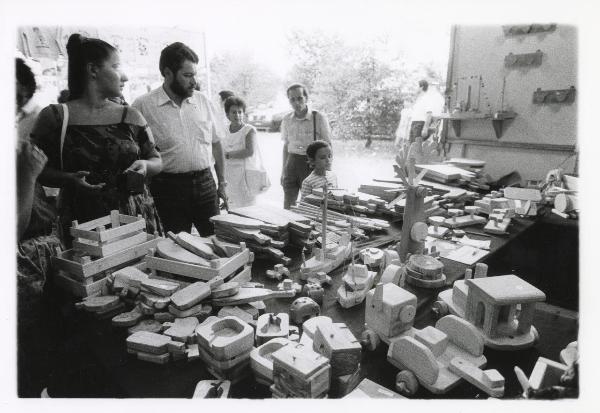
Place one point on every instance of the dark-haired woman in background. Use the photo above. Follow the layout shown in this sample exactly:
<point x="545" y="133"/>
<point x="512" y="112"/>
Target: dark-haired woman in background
<point x="103" y="140"/>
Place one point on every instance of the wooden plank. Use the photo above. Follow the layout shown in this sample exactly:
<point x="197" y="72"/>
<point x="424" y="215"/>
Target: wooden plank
<point x="91" y="225"/>
<point x="195" y="245"/>
<point x="106" y="263"/>
<point x="181" y="268"/>
<point x="110" y="248"/>
<point x="127" y="219"/>
<point x="168" y="249"/>
<point x="248" y="295"/>
<point x="237" y="221"/>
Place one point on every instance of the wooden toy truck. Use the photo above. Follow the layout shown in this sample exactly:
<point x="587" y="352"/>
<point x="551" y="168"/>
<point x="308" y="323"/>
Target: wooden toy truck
<point x="500" y="307"/>
<point x="436" y="358"/>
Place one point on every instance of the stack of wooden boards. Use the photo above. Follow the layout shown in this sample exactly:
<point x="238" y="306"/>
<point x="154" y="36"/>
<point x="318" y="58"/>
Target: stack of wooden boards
<point x="100" y="247"/>
<point x="339" y="223"/>
<point x="266" y="230"/>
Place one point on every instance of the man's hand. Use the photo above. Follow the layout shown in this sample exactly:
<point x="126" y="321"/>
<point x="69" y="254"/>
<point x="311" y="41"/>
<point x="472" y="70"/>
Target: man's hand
<point x="223" y="194"/>
<point x="78" y="180"/>
<point x="140" y="166"/>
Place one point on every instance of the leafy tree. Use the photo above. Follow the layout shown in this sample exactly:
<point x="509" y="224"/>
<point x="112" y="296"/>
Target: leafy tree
<point x="240" y="73"/>
<point x="360" y="88"/>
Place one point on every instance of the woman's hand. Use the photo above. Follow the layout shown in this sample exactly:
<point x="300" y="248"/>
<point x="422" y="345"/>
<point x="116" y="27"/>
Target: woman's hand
<point x="78" y="180"/>
<point x="140" y="166"/>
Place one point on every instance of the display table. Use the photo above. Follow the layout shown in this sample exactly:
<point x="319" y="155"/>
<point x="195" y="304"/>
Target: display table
<point x="103" y="347"/>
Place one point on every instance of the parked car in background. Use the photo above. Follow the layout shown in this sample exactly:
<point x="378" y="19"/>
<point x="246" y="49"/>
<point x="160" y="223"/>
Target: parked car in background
<point x="266" y="118"/>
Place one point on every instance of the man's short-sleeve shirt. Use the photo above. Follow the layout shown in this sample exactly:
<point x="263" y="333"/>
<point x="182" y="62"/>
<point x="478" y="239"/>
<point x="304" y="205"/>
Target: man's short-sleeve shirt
<point x="298" y="133"/>
<point x="184" y="135"/>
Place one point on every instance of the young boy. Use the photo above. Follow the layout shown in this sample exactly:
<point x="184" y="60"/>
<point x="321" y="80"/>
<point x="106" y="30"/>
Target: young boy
<point x="319" y="159"/>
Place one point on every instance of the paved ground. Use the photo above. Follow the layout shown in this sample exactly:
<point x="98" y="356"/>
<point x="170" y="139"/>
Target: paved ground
<point x="352" y="163"/>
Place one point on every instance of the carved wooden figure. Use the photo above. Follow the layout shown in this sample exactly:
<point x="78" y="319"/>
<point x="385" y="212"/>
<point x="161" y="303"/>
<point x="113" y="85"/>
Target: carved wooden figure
<point x="270" y="326"/>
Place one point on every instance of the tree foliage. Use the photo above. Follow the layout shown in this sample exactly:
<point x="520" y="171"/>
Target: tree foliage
<point x="361" y="89"/>
<point x="243" y="75"/>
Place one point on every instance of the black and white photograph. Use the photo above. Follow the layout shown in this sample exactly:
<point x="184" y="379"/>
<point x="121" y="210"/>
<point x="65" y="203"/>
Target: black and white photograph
<point x="299" y="200"/>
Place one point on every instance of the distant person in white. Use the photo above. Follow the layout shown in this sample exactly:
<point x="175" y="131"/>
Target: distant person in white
<point x="428" y="105"/>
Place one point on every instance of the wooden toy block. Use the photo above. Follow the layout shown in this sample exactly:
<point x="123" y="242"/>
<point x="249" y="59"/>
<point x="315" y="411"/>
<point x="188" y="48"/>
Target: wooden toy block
<point x="464" y="221"/>
<point x="176" y="347"/>
<point x="127" y="319"/>
<point x="320" y="278"/>
<point x="270" y="326"/>
<point x="261" y="359"/>
<point x="462" y="333"/>
<point x="302" y="309"/>
<point x="289" y="285"/>
<point x="314" y="291"/>
<point x="490" y="381"/>
<point x="294" y="334"/>
<point x="170" y="250"/>
<point x="200" y="311"/>
<point x="236" y="311"/>
<point x="339" y="345"/>
<point x="369" y="389"/>
<point x="99" y="304"/>
<point x="182" y="329"/>
<point x="499" y="203"/>
<point x="342" y="385"/>
<point x="212" y="389"/>
<point x="111" y="312"/>
<point x="497" y="226"/>
<point x="153" y="358"/>
<point x="164" y="317"/>
<point x="247" y="295"/>
<point x="196" y="245"/>
<point x="190" y="296"/>
<point x="392" y="274"/>
<point x="546" y="373"/>
<point x="300" y="372"/>
<point x="390" y="310"/>
<point x="310" y="326"/>
<point x="82" y="270"/>
<point x="155" y="301"/>
<point x="148" y="342"/>
<point x="225" y="338"/>
<point x="434" y="339"/>
<point x="481" y="270"/>
<point x="437" y="230"/>
<point x="160" y="287"/>
<point x="146" y="309"/>
<point x="151" y="326"/>
<point x="225" y="290"/>
<point x="226" y="268"/>
<point x="128" y="277"/>
<point x="193" y="352"/>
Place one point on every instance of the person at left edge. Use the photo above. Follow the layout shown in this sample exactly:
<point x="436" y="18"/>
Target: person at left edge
<point x="188" y="134"/>
<point x="103" y="141"/>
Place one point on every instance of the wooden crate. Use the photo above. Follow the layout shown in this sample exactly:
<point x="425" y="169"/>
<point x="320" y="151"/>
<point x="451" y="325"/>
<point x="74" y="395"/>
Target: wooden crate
<point x="67" y="260"/>
<point x="92" y="238"/>
<point x="221" y="267"/>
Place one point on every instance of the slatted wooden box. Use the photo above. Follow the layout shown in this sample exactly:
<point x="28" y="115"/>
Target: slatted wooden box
<point x="226" y="268"/>
<point x="94" y="239"/>
<point x="84" y="276"/>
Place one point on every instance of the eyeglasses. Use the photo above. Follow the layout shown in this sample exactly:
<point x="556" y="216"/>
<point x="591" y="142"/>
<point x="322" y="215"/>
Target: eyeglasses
<point x="297" y="99"/>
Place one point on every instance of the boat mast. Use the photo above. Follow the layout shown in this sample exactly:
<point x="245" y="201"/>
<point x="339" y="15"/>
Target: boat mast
<point x="324" y="223"/>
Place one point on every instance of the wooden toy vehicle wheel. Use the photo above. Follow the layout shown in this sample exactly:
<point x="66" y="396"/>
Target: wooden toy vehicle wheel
<point x="440" y="309"/>
<point x="369" y="339"/>
<point x="407" y="383"/>
<point x="536" y="335"/>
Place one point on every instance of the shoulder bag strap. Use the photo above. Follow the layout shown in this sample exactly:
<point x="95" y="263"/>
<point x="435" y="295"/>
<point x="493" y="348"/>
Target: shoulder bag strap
<point x="124" y="114"/>
<point x="63" y="131"/>
<point x="314" y="113"/>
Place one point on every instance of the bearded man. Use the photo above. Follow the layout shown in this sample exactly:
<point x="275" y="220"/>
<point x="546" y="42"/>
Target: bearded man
<point x="188" y="135"/>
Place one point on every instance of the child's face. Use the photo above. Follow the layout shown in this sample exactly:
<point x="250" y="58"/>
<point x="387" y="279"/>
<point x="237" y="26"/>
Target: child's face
<point x="236" y="115"/>
<point x="323" y="159"/>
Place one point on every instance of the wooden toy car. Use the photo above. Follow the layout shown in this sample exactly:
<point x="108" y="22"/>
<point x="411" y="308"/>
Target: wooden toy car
<point x="304" y="308"/>
<point x="500" y="307"/>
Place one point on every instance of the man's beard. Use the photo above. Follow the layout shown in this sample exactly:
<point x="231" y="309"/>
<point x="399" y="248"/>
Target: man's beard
<point x="181" y="91"/>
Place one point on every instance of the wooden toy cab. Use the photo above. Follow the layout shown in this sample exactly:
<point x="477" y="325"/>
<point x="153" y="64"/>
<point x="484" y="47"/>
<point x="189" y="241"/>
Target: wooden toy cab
<point x="501" y="307"/>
